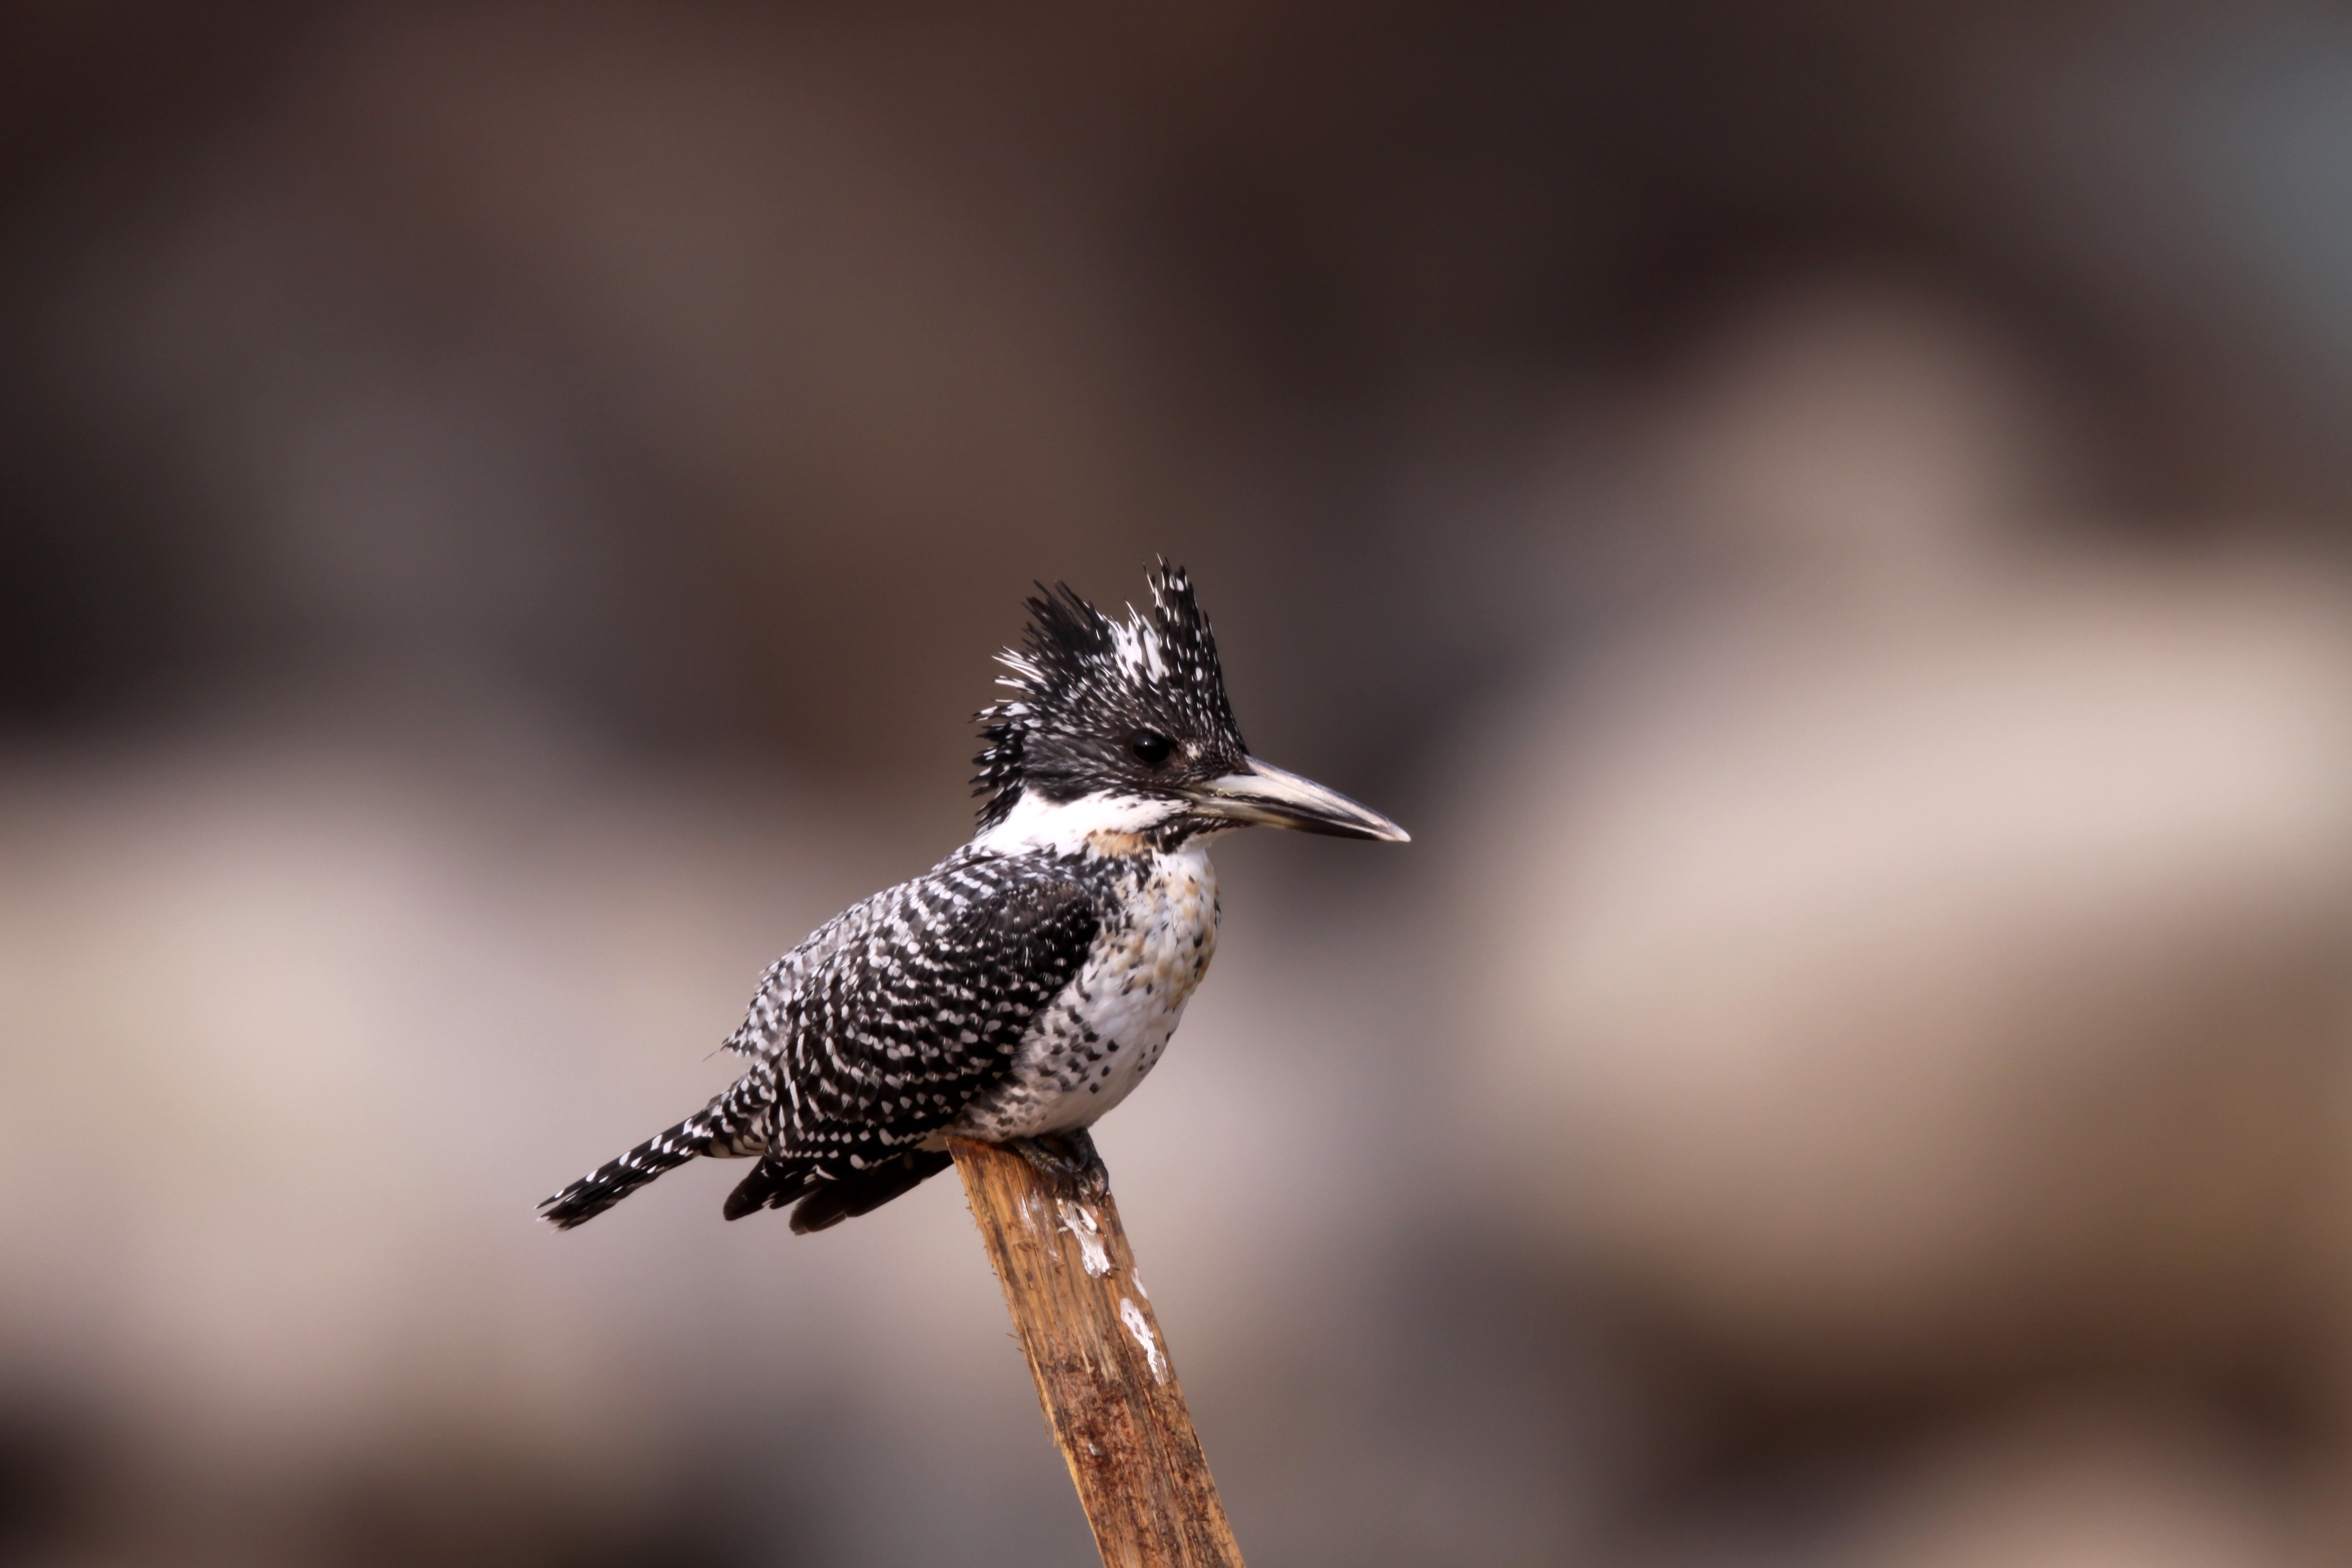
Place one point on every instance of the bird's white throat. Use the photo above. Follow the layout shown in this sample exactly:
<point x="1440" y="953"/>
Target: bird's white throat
<point x="1074" y="827"/>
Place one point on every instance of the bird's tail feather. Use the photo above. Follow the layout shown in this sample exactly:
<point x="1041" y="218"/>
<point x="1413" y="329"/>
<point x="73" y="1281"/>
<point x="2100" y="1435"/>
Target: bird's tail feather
<point x="611" y="1182"/>
<point x="828" y="1198"/>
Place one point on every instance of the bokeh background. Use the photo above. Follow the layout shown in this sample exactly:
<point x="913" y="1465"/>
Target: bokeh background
<point x="1828" y="521"/>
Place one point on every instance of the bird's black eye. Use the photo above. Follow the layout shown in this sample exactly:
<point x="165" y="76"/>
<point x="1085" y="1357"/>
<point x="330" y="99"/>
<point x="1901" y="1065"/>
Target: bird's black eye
<point x="1151" y="748"/>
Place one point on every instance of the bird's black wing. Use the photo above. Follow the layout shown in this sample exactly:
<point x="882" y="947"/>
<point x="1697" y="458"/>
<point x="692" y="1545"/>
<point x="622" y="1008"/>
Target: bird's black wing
<point x="917" y="1008"/>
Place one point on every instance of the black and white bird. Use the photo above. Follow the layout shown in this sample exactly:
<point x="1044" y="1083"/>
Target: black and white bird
<point x="1025" y="986"/>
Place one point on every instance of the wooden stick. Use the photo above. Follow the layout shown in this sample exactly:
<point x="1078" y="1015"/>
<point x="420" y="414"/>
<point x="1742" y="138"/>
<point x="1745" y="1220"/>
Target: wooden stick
<point x="1101" y="1366"/>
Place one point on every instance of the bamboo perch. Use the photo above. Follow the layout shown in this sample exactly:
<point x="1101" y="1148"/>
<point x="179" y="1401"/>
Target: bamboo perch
<point x="1101" y="1367"/>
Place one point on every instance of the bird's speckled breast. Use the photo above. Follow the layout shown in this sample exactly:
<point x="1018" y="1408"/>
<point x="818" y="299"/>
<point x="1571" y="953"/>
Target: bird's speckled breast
<point x="1094" y="1042"/>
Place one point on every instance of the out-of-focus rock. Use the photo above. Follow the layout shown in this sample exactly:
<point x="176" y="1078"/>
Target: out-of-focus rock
<point x="2075" y="1484"/>
<point x="1896" y="976"/>
<point x="2109" y="1489"/>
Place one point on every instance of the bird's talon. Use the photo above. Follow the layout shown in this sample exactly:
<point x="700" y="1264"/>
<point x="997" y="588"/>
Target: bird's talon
<point x="1068" y="1163"/>
<point x="1091" y="1175"/>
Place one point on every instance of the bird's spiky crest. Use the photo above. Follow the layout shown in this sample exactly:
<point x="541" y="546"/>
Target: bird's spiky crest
<point x="1074" y="660"/>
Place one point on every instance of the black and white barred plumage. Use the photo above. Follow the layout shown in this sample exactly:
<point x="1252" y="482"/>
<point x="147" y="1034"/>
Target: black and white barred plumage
<point x="1023" y="986"/>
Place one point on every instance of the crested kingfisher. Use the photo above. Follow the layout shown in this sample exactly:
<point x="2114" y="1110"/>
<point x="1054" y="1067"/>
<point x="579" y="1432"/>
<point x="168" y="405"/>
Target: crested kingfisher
<point x="1026" y="984"/>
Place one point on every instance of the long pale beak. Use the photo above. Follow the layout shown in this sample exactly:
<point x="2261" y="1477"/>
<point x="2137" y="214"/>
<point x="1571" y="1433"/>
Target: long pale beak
<point x="1276" y="797"/>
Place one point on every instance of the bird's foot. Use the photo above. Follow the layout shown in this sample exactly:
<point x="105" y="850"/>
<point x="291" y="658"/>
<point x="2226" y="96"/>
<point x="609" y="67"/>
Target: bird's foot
<point x="1068" y="1162"/>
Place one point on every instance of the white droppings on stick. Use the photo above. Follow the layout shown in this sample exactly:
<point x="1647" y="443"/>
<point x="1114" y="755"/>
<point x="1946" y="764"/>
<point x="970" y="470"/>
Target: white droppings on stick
<point x="1136" y="1324"/>
<point x="1080" y="1223"/>
<point x="1136" y="1277"/>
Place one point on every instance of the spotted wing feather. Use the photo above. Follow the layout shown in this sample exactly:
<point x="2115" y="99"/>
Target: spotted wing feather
<point x="872" y="1035"/>
<point x="888" y="1037"/>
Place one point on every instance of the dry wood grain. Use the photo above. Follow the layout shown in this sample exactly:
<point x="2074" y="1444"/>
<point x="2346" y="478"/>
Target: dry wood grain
<point x="1102" y="1370"/>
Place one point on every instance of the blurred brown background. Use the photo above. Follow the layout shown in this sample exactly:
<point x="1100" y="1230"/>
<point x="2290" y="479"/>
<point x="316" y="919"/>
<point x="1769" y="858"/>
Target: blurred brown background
<point x="1826" y="521"/>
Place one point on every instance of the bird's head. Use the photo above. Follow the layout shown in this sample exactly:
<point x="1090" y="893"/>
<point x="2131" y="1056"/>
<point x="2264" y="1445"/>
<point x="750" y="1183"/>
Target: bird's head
<point x="1121" y="729"/>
